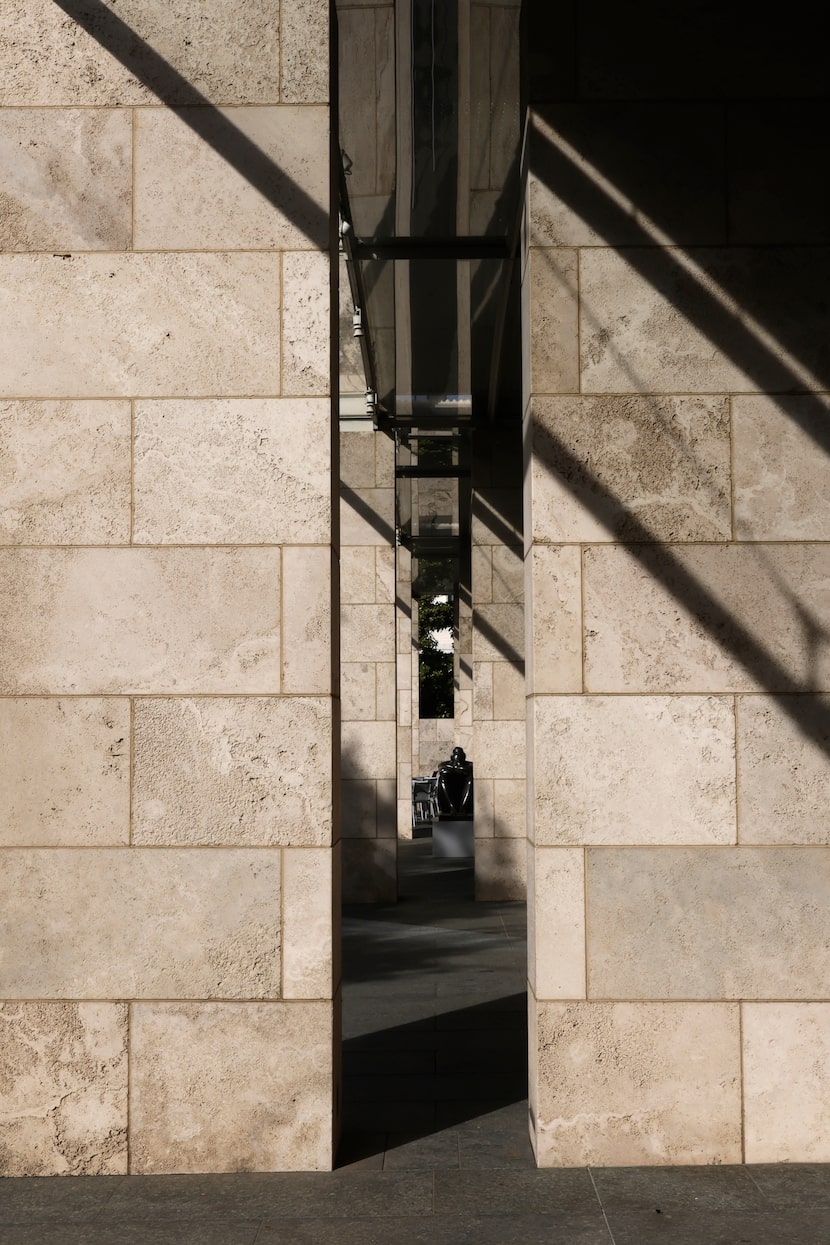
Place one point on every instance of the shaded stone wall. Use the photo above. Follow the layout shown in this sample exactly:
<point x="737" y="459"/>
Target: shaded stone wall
<point x="678" y="587"/>
<point x="166" y="828"/>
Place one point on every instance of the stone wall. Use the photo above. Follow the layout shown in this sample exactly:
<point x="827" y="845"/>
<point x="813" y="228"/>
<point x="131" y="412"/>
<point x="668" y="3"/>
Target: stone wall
<point x="168" y="979"/>
<point x="678" y="589"/>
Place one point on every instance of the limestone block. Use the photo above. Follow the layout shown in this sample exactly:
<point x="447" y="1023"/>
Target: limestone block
<point x="482" y="573"/>
<point x="385" y="573"/>
<point x="306" y="619"/>
<point x="499" y="749"/>
<point x="229" y="471"/>
<point x="554" y="329"/>
<point x="134" y="620"/>
<point x="653" y="320"/>
<point x="64" y="473"/>
<point x="554" y="619"/>
<point x="367" y="517"/>
<point x="784" y="776"/>
<point x="497" y="516"/>
<point x="385" y="464"/>
<point x="247" y="772"/>
<point x="634" y="769"/>
<point x="64" y="772"/>
<point x="603" y="173"/>
<point x="357" y="458"/>
<point x="705" y="618"/>
<point x="484" y="809"/>
<point x="304" y="51"/>
<point x="781" y="468"/>
<point x="482" y="691"/>
<point x="559" y="923"/>
<point x="508" y="573"/>
<point x="367" y="632"/>
<point x="357" y="574"/>
<point x="370" y="870"/>
<point x="501" y="870"/>
<point x="386" y="695"/>
<point x="305" y="323"/>
<point x="509" y="690"/>
<point x="66" y="180"/>
<point x="630" y="1084"/>
<point x="63" y="1082"/>
<point x="228" y="53"/>
<point x="231" y="1087"/>
<point x="710" y="923"/>
<point x="510" y="807"/>
<point x="133" y="923"/>
<point x="225" y="211"/>
<point x="630" y="468"/>
<point x="80" y="326"/>
<point x="359" y="808"/>
<point x="498" y="633"/>
<point x="368" y="750"/>
<point x="358" y="691"/>
<point x="786" y="1048"/>
<point x="307" y="932"/>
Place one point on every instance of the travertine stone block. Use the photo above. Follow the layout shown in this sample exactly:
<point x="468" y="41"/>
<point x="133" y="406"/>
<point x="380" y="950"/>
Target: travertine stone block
<point x="358" y="691"/>
<point x="634" y="769"/>
<point x="784" y="774"/>
<point x="367" y="516"/>
<point x="630" y="467"/>
<point x="160" y="923"/>
<point x="359" y="808"/>
<point x="357" y="574"/>
<point x="370" y="870"/>
<point x="64" y="473"/>
<point x="629" y="1084"/>
<point x="367" y="632"/>
<point x="139" y="325"/>
<point x="385" y="683"/>
<point x="304" y="51"/>
<point x="231" y="1087"/>
<point x="508" y="573"/>
<point x="484" y="808"/>
<point x="497" y="516"/>
<point x="597" y="169"/>
<point x="306" y="622"/>
<point x="509" y="690"/>
<point x="368" y="749"/>
<point x="63" y="1080"/>
<point x="130" y="620"/>
<point x="652" y="320"/>
<point x="64" y="772"/>
<point x="786" y="1053"/>
<point x="559" y="922"/>
<point x="706" y="618"/>
<point x="227" y="53"/>
<point x="66" y="180"/>
<point x="499" y="749"/>
<point x="305" y="323"/>
<point x="510" y="807"/>
<point x="482" y="708"/>
<point x="175" y="165"/>
<point x="782" y="475"/>
<point x="251" y="772"/>
<point x="307" y="911"/>
<point x="498" y="633"/>
<point x="554" y="619"/>
<point x="553" y="326"/>
<point x="357" y="454"/>
<point x="482" y="573"/>
<point x="689" y="923"/>
<point x="385" y="573"/>
<point x="501" y="870"/>
<point x="240" y="471"/>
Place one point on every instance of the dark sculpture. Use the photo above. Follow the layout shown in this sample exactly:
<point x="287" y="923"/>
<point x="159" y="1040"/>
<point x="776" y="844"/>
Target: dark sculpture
<point x="454" y="786"/>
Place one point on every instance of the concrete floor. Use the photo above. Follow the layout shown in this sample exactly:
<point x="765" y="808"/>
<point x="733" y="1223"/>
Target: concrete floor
<point x="435" y="1148"/>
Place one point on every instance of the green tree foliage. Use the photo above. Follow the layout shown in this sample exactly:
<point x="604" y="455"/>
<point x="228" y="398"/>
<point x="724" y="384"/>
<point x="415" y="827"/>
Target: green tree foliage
<point x="435" y="669"/>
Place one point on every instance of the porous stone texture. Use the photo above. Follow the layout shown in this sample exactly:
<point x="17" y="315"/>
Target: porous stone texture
<point x="66" y="179"/>
<point x="64" y="772"/>
<point x="634" y="769"/>
<point x="556" y="922"/>
<point x="786" y="1047"/>
<point x="154" y="325"/>
<point x="554" y="619"/>
<point x="158" y="923"/>
<point x="630" y="467"/>
<point x="176" y="165"/>
<point x="782" y="476"/>
<point x="706" y="618"/>
<point x="367" y="632"/>
<point x="554" y="358"/>
<point x="128" y="620"/>
<point x="368" y="750"/>
<point x="662" y="923"/>
<point x="654" y="320"/>
<point x="783" y="743"/>
<point x="498" y="633"/>
<point x="307" y="912"/>
<point x="231" y="1087"/>
<point x="228" y="470"/>
<point x="501" y="869"/>
<point x="248" y="772"/>
<point x="305" y="323"/>
<point x="226" y="53"/>
<point x="63" y="1088"/>
<point x="499" y="749"/>
<point x="64" y="473"/>
<point x="629" y="1084"/>
<point x="304" y="52"/>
